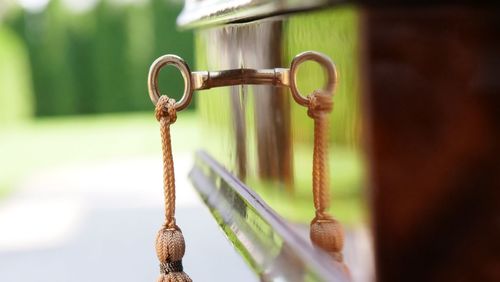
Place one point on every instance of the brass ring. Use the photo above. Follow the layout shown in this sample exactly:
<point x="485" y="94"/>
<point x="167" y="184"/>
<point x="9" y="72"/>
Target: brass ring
<point x="181" y="65"/>
<point x="321" y="59"/>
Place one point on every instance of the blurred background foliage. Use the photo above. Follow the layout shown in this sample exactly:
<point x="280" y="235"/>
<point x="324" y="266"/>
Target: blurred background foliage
<point x="85" y="57"/>
<point x="58" y="60"/>
<point x="64" y="63"/>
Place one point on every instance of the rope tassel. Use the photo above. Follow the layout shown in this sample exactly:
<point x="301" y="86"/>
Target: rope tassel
<point x="170" y="245"/>
<point x="325" y="232"/>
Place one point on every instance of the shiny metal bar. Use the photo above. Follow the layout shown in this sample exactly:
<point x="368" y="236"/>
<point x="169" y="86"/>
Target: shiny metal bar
<point x="210" y="79"/>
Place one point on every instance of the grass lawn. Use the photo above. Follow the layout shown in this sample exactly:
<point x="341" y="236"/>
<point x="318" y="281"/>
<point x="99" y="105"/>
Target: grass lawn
<point x="47" y="142"/>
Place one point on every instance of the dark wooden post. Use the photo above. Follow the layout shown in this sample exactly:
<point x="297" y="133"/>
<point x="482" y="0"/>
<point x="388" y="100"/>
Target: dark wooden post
<point x="433" y="124"/>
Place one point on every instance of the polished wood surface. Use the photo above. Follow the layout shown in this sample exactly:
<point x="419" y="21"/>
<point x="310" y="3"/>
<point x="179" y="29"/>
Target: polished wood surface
<point x="433" y="117"/>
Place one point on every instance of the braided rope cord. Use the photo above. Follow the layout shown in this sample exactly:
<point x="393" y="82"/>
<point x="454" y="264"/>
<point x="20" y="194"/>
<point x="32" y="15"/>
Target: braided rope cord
<point x="320" y="106"/>
<point x="166" y="114"/>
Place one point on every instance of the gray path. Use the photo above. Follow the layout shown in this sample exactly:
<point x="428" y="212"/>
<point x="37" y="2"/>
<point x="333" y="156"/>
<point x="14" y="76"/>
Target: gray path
<point x="97" y="222"/>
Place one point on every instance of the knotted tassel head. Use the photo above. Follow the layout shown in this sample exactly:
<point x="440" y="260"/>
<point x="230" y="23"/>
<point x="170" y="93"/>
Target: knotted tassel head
<point x="328" y="234"/>
<point x="170" y="248"/>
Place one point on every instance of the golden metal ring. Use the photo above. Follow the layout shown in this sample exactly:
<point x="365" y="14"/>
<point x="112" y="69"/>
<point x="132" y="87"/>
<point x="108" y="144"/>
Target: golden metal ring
<point x="181" y="65"/>
<point x="321" y="59"/>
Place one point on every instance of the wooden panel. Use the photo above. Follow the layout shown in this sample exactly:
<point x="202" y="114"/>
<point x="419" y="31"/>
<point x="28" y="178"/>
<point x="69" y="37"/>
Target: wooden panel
<point x="433" y="120"/>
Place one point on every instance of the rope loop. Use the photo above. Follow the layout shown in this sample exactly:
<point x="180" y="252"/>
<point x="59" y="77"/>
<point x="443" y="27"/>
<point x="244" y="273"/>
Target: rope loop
<point x="320" y="103"/>
<point x="165" y="108"/>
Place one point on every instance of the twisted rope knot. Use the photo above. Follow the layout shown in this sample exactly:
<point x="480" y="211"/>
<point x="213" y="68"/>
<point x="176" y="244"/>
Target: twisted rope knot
<point x="165" y="108"/>
<point x="320" y="103"/>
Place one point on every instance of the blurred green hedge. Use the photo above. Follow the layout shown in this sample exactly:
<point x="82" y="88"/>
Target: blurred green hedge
<point x="15" y="82"/>
<point x="97" y="61"/>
